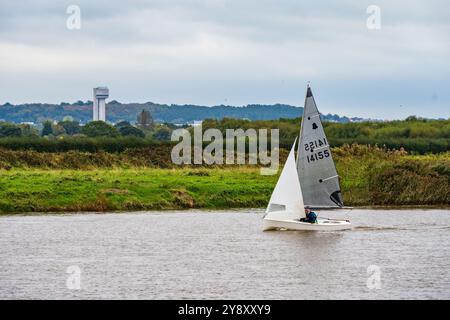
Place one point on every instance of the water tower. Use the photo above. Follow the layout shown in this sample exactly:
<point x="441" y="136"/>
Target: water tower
<point x="100" y="94"/>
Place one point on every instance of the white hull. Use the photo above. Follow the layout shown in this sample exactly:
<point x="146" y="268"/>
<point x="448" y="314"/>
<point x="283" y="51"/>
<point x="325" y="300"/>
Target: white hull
<point x="321" y="225"/>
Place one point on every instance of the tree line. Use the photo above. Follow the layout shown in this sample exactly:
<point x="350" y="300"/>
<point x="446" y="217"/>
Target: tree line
<point x="144" y="127"/>
<point x="413" y="134"/>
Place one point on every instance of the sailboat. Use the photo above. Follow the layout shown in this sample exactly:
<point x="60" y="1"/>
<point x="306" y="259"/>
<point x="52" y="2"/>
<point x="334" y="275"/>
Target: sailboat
<point x="310" y="180"/>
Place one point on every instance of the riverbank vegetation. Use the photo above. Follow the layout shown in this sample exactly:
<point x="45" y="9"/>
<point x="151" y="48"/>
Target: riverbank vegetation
<point x="98" y="167"/>
<point x="415" y="135"/>
<point x="45" y="182"/>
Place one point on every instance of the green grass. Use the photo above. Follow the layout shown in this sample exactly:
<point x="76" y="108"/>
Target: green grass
<point x="132" y="189"/>
<point x="369" y="176"/>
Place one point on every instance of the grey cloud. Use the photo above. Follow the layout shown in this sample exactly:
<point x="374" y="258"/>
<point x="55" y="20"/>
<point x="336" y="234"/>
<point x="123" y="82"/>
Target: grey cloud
<point x="203" y="51"/>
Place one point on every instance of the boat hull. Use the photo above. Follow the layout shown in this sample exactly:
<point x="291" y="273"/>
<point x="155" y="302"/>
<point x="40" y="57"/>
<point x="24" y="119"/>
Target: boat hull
<point x="321" y="225"/>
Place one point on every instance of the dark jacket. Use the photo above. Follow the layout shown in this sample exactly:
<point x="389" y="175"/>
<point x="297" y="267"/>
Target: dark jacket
<point x="311" y="217"/>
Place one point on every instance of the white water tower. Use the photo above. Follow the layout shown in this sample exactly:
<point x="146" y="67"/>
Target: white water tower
<point x="100" y="94"/>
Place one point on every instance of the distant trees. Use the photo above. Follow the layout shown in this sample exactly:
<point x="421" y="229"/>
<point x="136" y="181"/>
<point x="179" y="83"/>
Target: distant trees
<point x="122" y="124"/>
<point x="29" y="130"/>
<point x="70" y="127"/>
<point x="58" y="129"/>
<point x="131" y="131"/>
<point x="414" y="135"/>
<point x="92" y="129"/>
<point x="411" y="118"/>
<point x="99" y="129"/>
<point x="9" y="130"/>
<point x="126" y="129"/>
<point x="162" y="133"/>
<point x="17" y="130"/>
<point x="47" y="129"/>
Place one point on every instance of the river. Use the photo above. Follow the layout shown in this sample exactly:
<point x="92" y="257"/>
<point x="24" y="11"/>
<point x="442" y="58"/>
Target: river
<point x="389" y="254"/>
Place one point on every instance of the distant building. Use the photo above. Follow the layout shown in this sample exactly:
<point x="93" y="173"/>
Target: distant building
<point x="99" y="112"/>
<point x="145" y="119"/>
<point x="196" y="123"/>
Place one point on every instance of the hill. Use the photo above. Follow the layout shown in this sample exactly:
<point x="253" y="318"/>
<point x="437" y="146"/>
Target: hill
<point x="180" y="114"/>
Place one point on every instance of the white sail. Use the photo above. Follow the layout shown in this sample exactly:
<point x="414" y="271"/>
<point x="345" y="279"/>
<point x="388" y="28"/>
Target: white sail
<point x="315" y="166"/>
<point x="286" y="202"/>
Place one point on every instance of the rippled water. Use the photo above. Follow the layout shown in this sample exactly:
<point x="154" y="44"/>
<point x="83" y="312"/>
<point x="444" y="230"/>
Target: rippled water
<point x="204" y="254"/>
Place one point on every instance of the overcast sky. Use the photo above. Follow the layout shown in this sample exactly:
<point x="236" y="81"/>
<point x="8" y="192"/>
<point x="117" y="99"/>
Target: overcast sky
<point x="234" y="52"/>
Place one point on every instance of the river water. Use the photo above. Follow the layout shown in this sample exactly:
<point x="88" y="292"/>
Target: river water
<point x="390" y="254"/>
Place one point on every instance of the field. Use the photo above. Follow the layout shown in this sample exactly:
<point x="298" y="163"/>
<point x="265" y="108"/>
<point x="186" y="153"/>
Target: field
<point x="370" y="176"/>
<point x="132" y="189"/>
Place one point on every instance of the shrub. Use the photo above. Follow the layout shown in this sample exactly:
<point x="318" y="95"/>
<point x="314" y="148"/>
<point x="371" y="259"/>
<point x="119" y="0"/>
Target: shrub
<point x="99" y="129"/>
<point x="131" y="131"/>
<point x="410" y="182"/>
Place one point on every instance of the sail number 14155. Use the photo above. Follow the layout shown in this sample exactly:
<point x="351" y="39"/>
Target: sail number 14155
<point x="311" y="146"/>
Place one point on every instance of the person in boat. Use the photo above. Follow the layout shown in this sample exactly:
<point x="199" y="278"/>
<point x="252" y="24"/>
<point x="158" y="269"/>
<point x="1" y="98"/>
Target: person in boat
<point x="311" y="216"/>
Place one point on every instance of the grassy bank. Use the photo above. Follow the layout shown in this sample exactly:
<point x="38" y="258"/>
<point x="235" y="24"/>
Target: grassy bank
<point x="373" y="176"/>
<point x="132" y="189"/>
<point x="369" y="176"/>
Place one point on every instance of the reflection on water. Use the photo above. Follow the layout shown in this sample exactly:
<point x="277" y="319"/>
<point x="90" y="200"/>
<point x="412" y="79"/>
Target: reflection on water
<point x="199" y="254"/>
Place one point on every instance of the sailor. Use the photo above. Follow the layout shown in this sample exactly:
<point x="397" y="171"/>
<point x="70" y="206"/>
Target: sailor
<point x="311" y="216"/>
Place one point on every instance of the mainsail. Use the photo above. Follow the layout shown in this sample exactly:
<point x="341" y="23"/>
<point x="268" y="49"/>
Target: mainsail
<point x="316" y="170"/>
<point x="286" y="202"/>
